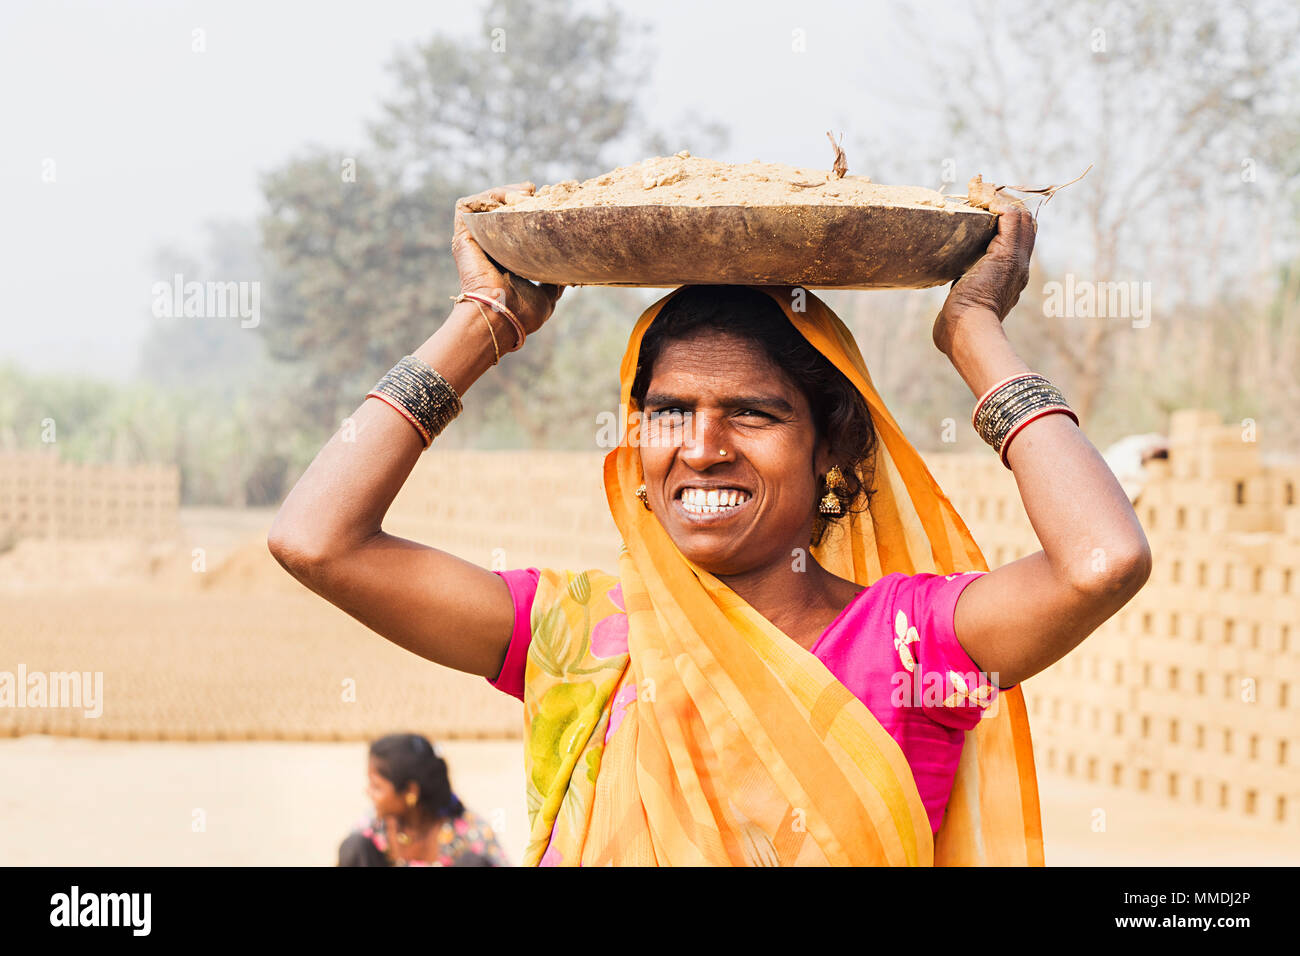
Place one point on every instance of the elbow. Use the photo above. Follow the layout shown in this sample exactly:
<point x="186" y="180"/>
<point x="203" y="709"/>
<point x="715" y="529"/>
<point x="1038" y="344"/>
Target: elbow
<point x="1116" y="573"/>
<point x="308" y="554"/>
<point x="290" y="557"/>
<point x="1135" y="571"/>
<point x="293" y="551"/>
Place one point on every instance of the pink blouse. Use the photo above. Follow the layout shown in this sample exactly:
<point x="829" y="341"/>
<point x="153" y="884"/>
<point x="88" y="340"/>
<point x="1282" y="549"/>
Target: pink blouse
<point x="894" y="647"/>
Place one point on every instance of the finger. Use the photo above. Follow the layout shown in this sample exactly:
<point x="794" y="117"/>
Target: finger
<point x="1015" y="236"/>
<point x="1010" y="225"/>
<point x="467" y="253"/>
<point x="499" y="193"/>
<point x="479" y="202"/>
<point x="460" y="234"/>
<point x="1026" y="233"/>
<point x="490" y="199"/>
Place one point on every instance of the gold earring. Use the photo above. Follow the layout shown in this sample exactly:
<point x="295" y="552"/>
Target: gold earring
<point x="410" y="799"/>
<point x="830" y="504"/>
<point x="645" y="499"/>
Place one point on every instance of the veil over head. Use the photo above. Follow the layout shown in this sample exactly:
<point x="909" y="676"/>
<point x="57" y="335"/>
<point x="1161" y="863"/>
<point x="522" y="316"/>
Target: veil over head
<point x="735" y="744"/>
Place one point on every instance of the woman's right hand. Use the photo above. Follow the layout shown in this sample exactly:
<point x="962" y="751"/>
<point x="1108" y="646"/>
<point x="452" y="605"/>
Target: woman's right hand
<point x="531" y="303"/>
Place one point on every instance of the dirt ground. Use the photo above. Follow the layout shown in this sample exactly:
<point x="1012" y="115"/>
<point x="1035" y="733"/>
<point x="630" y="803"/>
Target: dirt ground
<point x="68" y="801"/>
<point x="209" y="639"/>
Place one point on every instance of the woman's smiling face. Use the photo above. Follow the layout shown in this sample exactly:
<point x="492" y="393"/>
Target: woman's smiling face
<point x="716" y="391"/>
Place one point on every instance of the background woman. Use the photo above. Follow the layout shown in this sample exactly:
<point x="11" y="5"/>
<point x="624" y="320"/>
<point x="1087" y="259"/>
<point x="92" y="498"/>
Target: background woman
<point x="733" y="694"/>
<point x="418" y="820"/>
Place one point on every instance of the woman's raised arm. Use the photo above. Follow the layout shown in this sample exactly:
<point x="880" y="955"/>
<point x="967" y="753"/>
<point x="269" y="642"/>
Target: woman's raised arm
<point x="1024" y="616"/>
<point x="328" y="533"/>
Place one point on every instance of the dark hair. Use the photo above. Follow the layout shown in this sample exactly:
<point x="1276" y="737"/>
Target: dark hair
<point x="402" y="759"/>
<point x="839" y="412"/>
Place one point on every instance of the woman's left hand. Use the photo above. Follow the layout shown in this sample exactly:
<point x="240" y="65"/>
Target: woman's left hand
<point x="993" y="285"/>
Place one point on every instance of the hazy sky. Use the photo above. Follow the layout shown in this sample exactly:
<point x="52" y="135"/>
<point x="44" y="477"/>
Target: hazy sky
<point x="149" y="140"/>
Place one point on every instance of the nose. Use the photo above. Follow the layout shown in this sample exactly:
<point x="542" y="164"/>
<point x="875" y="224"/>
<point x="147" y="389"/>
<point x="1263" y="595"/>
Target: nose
<point x="703" y="438"/>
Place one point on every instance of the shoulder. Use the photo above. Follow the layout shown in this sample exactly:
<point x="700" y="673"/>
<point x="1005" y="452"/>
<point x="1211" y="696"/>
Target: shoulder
<point x="927" y="592"/>
<point x="575" y="596"/>
<point x="549" y="605"/>
<point x="579" y="626"/>
<point x="373" y="829"/>
<point x="910" y="600"/>
<point x="925" y="603"/>
<point x="581" y="586"/>
<point x="476" y="825"/>
<point x="540" y="589"/>
<point x="937" y="671"/>
<point x="475" y="842"/>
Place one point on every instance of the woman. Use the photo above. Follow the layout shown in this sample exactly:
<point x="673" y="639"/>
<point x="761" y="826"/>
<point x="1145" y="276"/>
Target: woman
<point x="418" y="820"/>
<point x="729" y="697"/>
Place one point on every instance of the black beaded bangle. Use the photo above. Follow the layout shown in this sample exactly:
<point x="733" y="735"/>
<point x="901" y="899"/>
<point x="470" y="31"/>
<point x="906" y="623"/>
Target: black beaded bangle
<point x="422" y="392"/>
<point x="997" y="402"/>
<point x="1006" y="413"/>
<point x="1012" y="405"/>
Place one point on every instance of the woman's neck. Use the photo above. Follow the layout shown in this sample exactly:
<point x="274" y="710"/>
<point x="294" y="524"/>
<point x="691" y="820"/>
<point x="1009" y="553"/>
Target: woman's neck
<point x="800" y="602"/>
<point x="416" y="822"/>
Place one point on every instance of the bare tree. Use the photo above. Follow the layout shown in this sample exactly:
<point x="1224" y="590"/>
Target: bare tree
<point x="1186" y="111"/>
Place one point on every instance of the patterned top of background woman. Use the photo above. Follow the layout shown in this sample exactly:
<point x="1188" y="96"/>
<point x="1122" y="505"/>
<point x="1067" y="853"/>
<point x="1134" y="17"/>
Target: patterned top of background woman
<point x="418" y="820"/>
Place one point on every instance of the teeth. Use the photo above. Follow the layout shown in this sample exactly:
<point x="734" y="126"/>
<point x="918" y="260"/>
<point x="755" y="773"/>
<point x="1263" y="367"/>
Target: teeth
<point x="713" y="500"/>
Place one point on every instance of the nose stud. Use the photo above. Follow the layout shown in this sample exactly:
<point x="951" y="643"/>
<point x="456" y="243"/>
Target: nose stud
<point x="722" y="452"/>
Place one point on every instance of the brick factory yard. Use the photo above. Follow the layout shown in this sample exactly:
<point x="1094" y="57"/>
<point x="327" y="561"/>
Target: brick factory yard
<point x="91" y="802"/>
<point x="231" y="690"/>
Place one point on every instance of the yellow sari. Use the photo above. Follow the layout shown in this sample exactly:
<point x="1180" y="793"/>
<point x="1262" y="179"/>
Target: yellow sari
<point x="735" y="745"/>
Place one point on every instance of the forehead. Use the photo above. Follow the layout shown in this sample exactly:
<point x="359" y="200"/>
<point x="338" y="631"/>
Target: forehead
<point x="711" y="362"/>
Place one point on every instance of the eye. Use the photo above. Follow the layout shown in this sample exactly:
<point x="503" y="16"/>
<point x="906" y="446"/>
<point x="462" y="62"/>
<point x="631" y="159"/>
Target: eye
<point x="753" y="411"/>
<point x="671" y="415"/>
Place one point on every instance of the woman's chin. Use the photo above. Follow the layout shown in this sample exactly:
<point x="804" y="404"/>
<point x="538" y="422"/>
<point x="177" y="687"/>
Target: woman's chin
<point x="718" y="561"/>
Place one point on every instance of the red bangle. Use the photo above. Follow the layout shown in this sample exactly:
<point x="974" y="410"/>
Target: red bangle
<point x="424" y="436"/>
<point x="1006" y="442"/>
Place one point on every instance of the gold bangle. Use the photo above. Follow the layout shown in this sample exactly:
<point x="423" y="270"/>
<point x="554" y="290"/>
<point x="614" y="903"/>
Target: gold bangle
<point x="520" y="335"/>
<point x="495" y="347"/>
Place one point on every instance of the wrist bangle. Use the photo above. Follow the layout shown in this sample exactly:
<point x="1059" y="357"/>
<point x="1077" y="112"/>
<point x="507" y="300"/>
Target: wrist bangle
<point x="994" y="387"/>
<point x="491" y="331"/>
<point x="499" y="307"/>
<point x="421" y="395"/>
<point x="1009" y="405"/>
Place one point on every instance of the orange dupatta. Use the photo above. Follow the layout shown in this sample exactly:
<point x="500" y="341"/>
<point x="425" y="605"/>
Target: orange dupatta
<point x="735" y="745"/>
